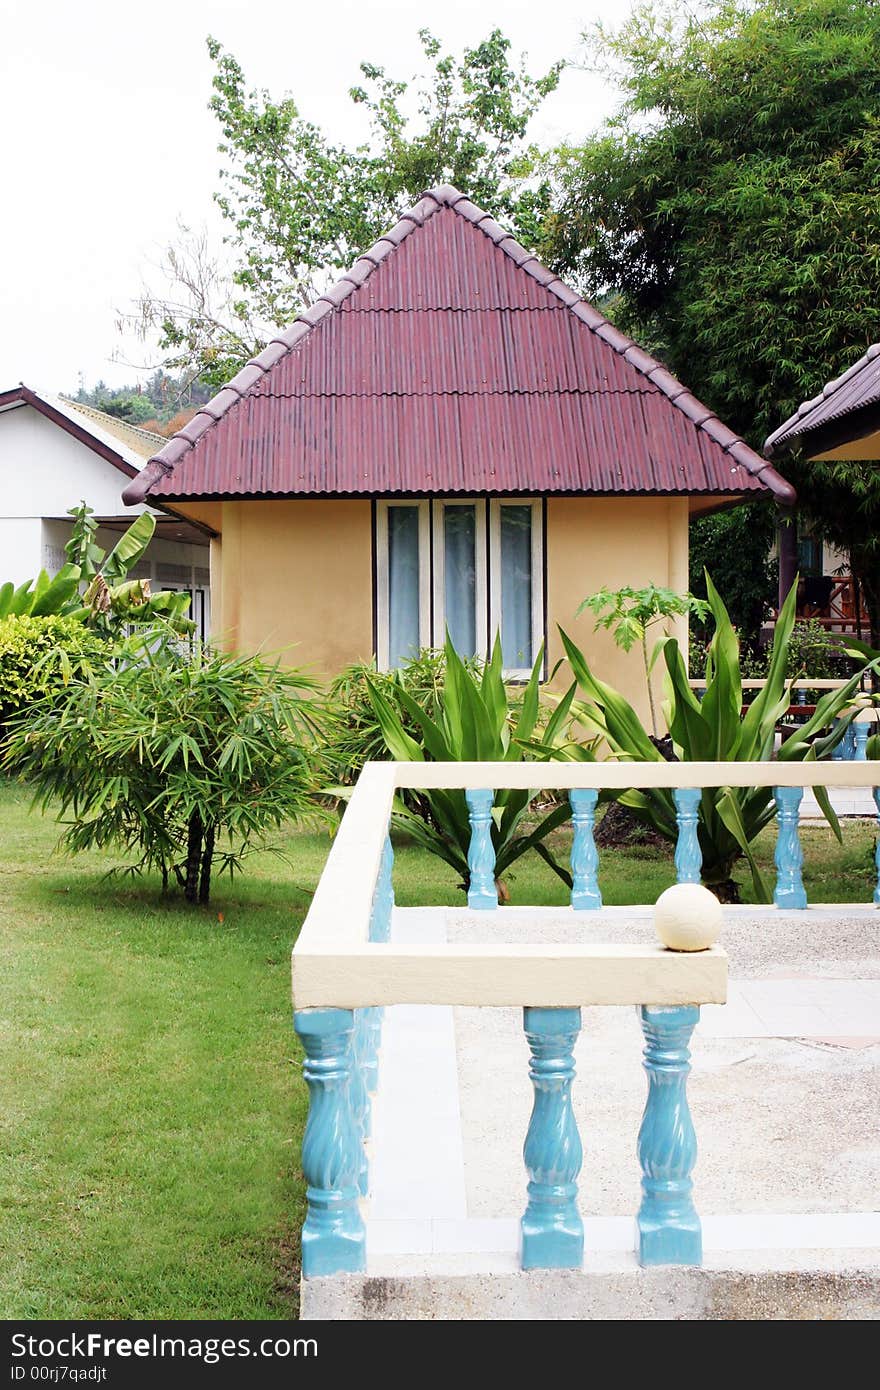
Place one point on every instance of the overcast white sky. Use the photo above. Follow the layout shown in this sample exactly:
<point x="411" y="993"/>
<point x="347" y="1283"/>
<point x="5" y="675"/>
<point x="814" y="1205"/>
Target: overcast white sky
<point x="108" y="141"/>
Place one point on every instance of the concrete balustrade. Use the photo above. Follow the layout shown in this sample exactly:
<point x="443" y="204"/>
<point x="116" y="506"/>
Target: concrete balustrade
<point x="347" y="967"/>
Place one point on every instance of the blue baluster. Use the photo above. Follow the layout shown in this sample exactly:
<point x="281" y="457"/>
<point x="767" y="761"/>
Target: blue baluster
<point x="383" y="901"/>
<point x="789" y="857"/>
<point x="333" y="1239"/>
<point x="372" y="1036"/>
<point x="358" y="1097"/>
<point x="860" y="729"/>
<point x="849" y="743"/>
<point x="585" y="894"/>
<point x="688" y="855"/>
<point x="482" y="893"/>
<point x="668" y="1225"/>
<point x="877" y="847"/>
<point x="552" y="1232"/>
<point x="837" y="753"/>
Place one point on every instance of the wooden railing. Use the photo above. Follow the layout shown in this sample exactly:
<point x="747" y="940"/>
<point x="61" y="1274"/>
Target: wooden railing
<point x="347" y="969"/>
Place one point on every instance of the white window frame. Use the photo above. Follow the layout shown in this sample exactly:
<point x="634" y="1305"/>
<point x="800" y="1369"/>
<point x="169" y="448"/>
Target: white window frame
<point x="382" y="575"/>
<point x="480" y="578"/>
<point x="497" y="598"/>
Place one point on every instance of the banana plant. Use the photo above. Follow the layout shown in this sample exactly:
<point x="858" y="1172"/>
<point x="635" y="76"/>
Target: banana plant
<point x="476" y="723"/>
<point x="93" y="585"/>
<point x="715" y="729"/>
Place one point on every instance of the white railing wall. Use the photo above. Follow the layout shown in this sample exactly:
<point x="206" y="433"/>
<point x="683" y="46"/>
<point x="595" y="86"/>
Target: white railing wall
<point x="347" y="969"/>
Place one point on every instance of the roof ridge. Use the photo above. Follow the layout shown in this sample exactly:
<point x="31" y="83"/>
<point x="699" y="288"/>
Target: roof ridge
<point x="455" y="391"/>
<point x="431" y="201"/>
<point x="84" y="409"/>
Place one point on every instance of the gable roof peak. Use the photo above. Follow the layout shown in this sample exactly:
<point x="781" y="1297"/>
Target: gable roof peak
<point x="734" y="451"/>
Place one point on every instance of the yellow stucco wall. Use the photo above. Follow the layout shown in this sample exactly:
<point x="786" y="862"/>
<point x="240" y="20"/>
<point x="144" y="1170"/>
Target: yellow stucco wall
<point x="296" y="572"/>
<point x="300" y="572"/>
<point x="612" y="541"/>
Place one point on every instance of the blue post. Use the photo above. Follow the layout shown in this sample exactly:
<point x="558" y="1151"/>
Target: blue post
<point x="877" y="847"/>
<point x="860" y="741"/>
<point x="585" y="894"/>
<point x="482" y="893"/>
<point x="688" y="855"/>
<point x="383" y="900"/>
<point x="552" y="1232"/>
<point x="668" y="1225"/>
<point x="849" y="743"/>
<point x="333" y="1238"/>
<point x="789" y="856"/>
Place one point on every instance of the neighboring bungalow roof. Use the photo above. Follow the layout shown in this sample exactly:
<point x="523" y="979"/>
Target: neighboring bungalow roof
<point x="143" y="442"/>
<point x="125" y="446"/>
<point x="449" y="360"/>
<point x="844" y="399"/>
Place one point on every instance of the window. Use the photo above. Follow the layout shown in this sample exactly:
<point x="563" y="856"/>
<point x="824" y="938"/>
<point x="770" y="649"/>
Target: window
<point x="470" y="565"/>
<point x="403" y="567"/>
<point x="460" y="576"/>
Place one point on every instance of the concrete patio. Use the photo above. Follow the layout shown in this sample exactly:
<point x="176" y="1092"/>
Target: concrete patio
<point x="784" y="1094"/>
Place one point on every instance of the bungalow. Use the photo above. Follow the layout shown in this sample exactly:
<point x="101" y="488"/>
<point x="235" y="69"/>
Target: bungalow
<point x="449" y="437"/>
<point x="55" y="453"/>
<point x="842" y="422"/>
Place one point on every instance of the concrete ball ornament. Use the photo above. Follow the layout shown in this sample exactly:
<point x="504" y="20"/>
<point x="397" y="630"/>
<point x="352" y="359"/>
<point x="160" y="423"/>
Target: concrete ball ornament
<point x="687" y="917"/>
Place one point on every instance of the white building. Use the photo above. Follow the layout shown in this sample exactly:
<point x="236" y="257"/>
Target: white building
<point x="55" y="454"/>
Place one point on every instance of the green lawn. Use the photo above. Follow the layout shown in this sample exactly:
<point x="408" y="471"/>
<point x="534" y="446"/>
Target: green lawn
<point x="152" y="1103"/>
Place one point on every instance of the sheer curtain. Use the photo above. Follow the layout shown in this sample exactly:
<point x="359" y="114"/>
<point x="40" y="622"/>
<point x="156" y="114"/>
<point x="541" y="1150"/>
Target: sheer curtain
<point x="516" y="587"/>
<point x="459" y="540"/>
<point x="403" y="584"/>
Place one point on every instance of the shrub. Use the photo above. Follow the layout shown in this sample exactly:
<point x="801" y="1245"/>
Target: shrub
<point x="353" y="733"/>
<point x="163" y="751"/>
<point x="812" y="651"/>
<point x="37" y="657"/>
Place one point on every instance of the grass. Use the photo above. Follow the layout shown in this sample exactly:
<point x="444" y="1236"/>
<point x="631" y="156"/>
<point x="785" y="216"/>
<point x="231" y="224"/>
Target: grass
<point x="152" y="1099"/>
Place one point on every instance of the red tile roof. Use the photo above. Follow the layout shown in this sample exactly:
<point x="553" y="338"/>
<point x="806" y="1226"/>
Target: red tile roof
<point x="857" y="388"/>
<point x="449" y="360"/>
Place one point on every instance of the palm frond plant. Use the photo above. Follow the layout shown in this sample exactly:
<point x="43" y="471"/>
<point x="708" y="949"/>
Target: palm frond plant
<point x="715" y="729"/>
<point x="474" y="720"/>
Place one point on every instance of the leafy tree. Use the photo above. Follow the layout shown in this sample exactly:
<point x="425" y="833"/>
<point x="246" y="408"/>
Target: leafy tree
<point x="735" y="547"/>
<point x="300" y="208"/>
<point x="152" y="403"/>
<point x="732" y="206"/>
<point x="181" y="756"/>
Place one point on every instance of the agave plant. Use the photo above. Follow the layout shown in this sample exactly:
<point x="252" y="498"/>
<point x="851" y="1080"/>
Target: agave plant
<point x="474" y="722"/>
<point x="715" y="729"/>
